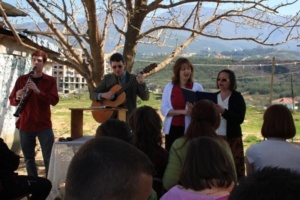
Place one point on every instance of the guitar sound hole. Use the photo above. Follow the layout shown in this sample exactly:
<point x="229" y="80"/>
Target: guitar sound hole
<point x="115" y="98"/>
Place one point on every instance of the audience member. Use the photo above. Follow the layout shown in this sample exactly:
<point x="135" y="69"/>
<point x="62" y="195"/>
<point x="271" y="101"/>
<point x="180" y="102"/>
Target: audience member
<point x="205" y="119"/>
<point x="12" y="185"/>
<point x="232" y="108"/>
<point x="208" y="173"/>
<point x="117" y="129"/>
<point x="146" y="125"/>
<point x="109" y="168"/>
<point x="173" y="106"/>
<point x="275" y="151"/>
<point x="268" y="183"/>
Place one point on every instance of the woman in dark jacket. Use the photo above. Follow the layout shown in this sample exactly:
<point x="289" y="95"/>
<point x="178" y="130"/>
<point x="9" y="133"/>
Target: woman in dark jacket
<point x="232" y="107"/>
<point x="12" y="185"/>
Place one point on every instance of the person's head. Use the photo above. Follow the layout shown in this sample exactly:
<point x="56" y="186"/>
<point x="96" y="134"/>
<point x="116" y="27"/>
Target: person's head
<point x="183" y="71"/>
<point x="115" y="128"/>
<point x="205" y="120"/>
<point x="117" y="64"/>
<point x="278" y="122"/>
<point x="38" y="60"/>
<point x="207" y="165"/>
<point x="146" y="125"/>
<point x="109" y="168"/>
<point x="267" y="184"/>
<point x="226" y="80"/>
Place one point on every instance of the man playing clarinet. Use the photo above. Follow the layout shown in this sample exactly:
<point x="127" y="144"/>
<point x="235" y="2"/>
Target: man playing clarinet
<point x="37" y="91"/>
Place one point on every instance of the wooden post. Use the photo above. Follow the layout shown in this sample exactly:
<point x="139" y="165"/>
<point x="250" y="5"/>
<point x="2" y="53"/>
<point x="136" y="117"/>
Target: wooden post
<point x="292" y="91"/>
<point x="272" y="77"/>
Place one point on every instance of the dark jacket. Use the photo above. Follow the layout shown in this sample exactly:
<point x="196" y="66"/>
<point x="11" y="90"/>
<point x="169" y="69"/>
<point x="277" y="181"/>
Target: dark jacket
<point x="9" y="162"/>
<point x="235" y="114"/>
<point x="135" y="89"/>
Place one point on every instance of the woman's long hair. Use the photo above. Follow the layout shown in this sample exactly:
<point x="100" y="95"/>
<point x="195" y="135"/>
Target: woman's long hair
<point x="205" y="120"/>
<point x="146" y="125"/>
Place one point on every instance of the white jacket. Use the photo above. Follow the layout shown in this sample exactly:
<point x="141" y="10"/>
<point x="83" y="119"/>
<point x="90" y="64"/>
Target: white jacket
<point x="166" y="106"/>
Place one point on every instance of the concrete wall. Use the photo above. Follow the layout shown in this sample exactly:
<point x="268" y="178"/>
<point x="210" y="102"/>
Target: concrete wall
<point x="15" y="61"/>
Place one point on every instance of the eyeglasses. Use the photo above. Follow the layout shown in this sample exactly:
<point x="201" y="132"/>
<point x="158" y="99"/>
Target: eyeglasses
<point x="222" y="79"/>
<point x="119" y="66"/>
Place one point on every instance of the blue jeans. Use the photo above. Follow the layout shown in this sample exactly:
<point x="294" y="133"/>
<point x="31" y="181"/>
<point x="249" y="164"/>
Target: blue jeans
<point x="28" y="143"/>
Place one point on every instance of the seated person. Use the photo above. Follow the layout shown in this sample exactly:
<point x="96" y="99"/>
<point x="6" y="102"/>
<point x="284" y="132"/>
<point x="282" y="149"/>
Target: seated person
<point x="13" y="185"/>
<point x="109" y="168"/>
<point x="205" y="119"/>
<point x="117" y="129"/>
<point x="146" y="125"/>
<point x="268" y="183"/>
<point x="208" y="173"/>
<point x="275" y="151"/>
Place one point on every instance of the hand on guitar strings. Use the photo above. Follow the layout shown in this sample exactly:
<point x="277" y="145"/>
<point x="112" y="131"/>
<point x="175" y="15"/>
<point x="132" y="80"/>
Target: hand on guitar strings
<point x="108" y="95"/>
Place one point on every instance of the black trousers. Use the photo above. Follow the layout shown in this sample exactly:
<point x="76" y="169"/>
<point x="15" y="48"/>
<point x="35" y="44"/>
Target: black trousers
<point x="18" y="186"/>
<point x="174" y="133"/>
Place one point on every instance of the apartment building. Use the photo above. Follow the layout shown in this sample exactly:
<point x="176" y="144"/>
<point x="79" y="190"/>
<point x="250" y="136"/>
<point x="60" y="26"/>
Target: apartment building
<point x="68" y="80"/>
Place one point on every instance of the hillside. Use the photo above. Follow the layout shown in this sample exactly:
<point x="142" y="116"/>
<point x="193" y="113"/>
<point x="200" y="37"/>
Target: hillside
<point x="253" y="72"/>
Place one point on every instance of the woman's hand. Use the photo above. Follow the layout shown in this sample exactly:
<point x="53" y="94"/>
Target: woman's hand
<point x="220" y="109"/>
<point x="189" y="107"/>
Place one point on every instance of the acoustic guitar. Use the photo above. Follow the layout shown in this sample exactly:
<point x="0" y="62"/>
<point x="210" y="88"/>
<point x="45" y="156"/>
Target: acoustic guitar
<point x="120" y="97"/>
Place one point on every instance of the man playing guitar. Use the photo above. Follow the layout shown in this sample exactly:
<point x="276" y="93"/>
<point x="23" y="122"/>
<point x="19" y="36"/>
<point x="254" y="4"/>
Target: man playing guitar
<point x="131" y="86"/>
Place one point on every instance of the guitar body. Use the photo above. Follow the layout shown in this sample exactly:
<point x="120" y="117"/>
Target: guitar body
<point x="102" y="115"/>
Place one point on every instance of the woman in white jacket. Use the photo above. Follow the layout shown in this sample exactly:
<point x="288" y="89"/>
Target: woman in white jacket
<point x="173" y="106"/>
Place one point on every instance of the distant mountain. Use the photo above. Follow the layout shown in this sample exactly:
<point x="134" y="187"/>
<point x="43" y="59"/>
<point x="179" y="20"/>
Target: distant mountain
<point x="198" y="45"/>
<point x="203" y="43"/>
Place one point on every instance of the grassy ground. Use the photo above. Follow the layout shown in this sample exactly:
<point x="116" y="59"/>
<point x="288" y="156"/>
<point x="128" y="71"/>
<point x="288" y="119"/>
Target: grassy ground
<point x="61" y="118"/>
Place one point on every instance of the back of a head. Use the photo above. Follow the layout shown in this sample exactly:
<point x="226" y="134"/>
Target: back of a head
<point x="268" y="184"/>
<point x="278" y="122"/>
<point x="146" y="125"/>
<point x="117" y="129"/>
<point x="206" y="164"/>
<point x="107" y="168"/>
<point x="205" y="119"/>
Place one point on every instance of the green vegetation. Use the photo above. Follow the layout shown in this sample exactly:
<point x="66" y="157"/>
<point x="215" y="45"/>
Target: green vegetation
<point x="253" y="76"/>
<point x="61" y="118"/>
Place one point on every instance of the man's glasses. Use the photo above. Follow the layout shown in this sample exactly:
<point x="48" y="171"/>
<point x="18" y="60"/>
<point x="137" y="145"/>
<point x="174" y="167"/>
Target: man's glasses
<point x="222" y="79"/>
<point x="115" y="67"/>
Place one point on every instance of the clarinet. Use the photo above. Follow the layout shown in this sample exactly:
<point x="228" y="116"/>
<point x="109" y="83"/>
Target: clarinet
<point x="18" y="111"/>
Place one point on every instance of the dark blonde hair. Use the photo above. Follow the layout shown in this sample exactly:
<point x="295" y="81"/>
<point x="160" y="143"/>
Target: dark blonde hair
<point x="278" y="122"/>
<point x="206" y="165"/>
<point x="176" y="70"/>
<point x="205" y="120"/>
<point x="40" y="53"/>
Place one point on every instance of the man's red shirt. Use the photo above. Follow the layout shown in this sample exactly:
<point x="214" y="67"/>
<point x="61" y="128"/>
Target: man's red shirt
<point x="36" y="113"/>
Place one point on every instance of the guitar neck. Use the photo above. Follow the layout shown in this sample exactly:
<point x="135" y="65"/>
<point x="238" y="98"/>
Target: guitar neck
<point x="130" y="82"/>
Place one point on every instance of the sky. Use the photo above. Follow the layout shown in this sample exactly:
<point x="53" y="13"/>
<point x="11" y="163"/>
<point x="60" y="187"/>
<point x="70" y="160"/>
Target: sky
<point x="286" y="11"/>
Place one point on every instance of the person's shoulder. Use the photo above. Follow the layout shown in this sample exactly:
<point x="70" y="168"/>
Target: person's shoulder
<point x="48" y="77"/>
<point x="236" y="93"/>
<point x="178" y="142"/>
<point x="170" y="84"/>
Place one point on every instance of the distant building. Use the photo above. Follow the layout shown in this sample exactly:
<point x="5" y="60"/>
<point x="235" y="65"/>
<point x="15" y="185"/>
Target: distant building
<point x="288" y="102"/>
<point x="67" y="79"/>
